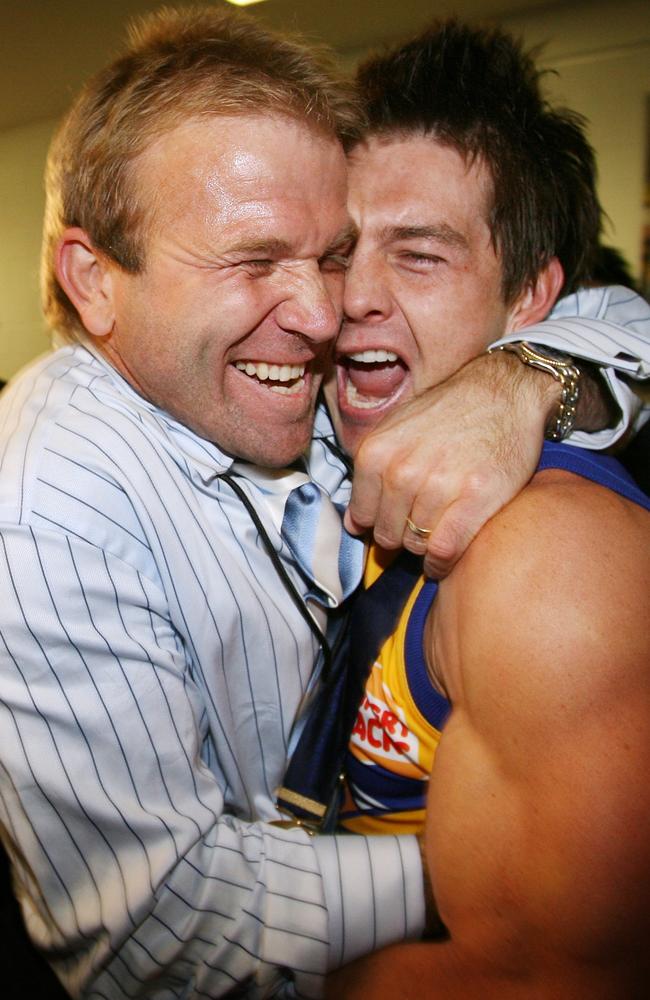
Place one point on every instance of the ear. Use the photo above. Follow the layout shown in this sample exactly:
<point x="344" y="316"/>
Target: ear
<point x="85" y="276"/>
<point x="535" y="302"/>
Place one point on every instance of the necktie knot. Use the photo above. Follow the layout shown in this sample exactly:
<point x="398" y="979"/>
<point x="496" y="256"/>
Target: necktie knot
<point x="311" y="525"/>
<point x="326" y="553"/>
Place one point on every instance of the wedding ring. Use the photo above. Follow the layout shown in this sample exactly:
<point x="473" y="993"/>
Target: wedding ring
<point x="420" y="532"/>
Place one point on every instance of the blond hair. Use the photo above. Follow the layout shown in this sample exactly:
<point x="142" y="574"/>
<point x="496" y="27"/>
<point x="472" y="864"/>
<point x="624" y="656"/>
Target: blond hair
<point x="179" y="65"/>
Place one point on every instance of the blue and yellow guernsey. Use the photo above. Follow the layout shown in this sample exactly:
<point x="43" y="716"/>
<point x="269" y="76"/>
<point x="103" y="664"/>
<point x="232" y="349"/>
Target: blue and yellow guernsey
<point x="401" y="716"/>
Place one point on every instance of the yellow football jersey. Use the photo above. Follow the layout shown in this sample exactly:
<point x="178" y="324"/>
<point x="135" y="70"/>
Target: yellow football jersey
<point x="401" y="714"/>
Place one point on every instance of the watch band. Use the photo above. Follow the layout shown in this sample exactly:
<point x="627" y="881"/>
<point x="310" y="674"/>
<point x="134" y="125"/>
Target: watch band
<point x="564" y="370"/>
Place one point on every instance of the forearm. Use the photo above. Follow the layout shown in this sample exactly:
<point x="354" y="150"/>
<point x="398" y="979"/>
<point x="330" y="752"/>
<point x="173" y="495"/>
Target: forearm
<point x="443" y="971"/>
<point x="125" y="858"/>
<point x="373" y="892"/>
<point x="607" y="330"/>
<point x="568" y="397"/>
<point x="254" y="902"/>
<point x="432" y="970"/>
<point x="535" y="396"/>
<point x="245" y="901"/>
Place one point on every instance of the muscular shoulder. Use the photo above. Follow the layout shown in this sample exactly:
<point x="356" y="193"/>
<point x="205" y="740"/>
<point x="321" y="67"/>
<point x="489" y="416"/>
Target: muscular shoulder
<point x="563" y="528"/>
<point x="554" y="588"/>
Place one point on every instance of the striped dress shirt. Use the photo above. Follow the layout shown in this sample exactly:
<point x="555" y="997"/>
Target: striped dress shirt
<point x="152" y="670"/>
<point x="152" y="674"/>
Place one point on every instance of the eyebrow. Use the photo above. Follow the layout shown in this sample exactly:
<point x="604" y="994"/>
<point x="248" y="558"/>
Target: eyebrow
<point x="441" y="233"/>
<point x="348" y="236"/>
<point x="268" y="247"/>
<point x="275" y="248"/>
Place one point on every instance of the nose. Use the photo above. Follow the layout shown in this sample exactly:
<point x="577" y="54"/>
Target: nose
<point x="313" y="305"/>
<point x="366" y="297"/>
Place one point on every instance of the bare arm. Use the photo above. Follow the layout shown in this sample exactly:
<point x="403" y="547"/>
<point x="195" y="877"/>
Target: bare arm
<point x="453" y="456"/>
<point x="538" y="834"/>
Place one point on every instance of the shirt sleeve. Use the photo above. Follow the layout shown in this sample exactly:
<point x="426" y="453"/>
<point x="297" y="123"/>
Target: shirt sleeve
<point x="610" y="327"/>
<point x="134" y="862"/>
<point x="374" y="892"/>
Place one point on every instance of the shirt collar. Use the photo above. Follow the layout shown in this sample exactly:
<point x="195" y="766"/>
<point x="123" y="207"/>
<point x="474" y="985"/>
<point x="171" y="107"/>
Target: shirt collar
<point x="202" y="460"/>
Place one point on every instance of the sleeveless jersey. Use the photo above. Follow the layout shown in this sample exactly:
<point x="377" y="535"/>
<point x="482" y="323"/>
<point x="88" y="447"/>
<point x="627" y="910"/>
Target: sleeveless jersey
<point x="401" y="716"/>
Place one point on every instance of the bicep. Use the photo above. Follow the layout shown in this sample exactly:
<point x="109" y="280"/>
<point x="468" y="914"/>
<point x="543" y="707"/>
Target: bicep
<point x="547" y="857"/>
<point x="538" y="828"/>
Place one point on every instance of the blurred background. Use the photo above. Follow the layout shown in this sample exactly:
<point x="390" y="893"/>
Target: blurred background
<point x="599" y="51"/>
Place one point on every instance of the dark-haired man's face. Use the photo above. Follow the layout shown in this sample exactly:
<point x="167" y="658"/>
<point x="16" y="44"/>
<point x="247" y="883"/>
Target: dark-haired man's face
<point x="423" y="290"/>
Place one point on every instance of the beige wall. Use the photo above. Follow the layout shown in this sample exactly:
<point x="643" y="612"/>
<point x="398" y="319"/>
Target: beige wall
<point x="601" y="51"/>
<point x="22" y="333"/>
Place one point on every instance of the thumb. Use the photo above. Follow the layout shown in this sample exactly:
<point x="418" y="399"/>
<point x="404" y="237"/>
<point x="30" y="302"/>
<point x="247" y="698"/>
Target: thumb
<point x="354" y="527"/>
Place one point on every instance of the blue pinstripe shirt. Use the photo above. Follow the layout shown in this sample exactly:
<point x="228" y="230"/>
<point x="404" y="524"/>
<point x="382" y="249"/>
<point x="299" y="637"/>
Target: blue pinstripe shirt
<point x="151" y="674"/>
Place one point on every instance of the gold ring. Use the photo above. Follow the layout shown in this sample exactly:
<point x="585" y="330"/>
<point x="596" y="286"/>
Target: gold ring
<point x="420" y="532"/>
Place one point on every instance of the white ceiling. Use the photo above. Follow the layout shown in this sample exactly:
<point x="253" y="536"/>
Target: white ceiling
<point x="50" y="46"/>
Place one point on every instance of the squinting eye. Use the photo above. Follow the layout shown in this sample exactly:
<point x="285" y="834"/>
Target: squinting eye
<point x="258" y="266"/>
<point x="423" y="258"/>
<point x="419" y="263"/>
<point x="334" y="262"/>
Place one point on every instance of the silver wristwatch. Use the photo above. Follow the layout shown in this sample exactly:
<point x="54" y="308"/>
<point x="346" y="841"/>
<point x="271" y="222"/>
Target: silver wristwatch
<point x="564" y="370"/>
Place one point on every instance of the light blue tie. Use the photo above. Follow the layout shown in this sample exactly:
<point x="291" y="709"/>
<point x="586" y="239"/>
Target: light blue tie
<point x="311" y="525"/>
<point x="326" y="553"/>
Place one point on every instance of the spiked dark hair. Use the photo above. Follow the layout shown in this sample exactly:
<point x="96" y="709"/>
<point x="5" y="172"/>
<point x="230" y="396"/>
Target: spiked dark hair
<point x="477" y="91"/>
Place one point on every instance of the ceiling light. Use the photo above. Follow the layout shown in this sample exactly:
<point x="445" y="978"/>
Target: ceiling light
<point x="244" y="3"/>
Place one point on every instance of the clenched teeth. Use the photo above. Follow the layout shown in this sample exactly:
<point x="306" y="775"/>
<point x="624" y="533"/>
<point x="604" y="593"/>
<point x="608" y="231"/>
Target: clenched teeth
<point x="282" y="374"/>
<point x="371" y="357"/>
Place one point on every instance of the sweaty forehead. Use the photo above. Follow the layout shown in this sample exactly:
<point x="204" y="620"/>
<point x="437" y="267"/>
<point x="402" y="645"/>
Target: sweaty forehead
<point x="414" y="180"/>
<point x="224" y="172"/>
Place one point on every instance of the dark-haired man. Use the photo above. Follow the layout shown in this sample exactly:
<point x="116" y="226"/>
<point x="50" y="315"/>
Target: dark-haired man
<point x="533" y="654"/>
<point x="161" y="631"/>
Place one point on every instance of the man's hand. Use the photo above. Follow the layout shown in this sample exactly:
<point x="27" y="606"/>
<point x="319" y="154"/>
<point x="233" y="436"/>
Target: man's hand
<point x="451" y="458"/>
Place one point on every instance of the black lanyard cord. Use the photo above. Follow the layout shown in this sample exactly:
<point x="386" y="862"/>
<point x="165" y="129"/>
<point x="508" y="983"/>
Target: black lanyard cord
<point x="289" y="586"/>
<point x="338" y="452"/>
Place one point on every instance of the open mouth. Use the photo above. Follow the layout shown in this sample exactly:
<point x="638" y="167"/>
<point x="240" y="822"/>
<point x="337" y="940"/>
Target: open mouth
<point x="287" y="380"/>
<point x="371" y="378"/>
